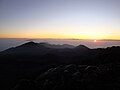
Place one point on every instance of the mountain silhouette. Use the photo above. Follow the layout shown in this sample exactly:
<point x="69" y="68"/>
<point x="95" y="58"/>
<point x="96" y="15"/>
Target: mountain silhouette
<point x="63" y="46"/>
<point x="62" y="53"/>
<point x="47" y="66"/>
<point x="82" y="47"/>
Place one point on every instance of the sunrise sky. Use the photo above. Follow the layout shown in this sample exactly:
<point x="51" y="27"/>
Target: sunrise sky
<point x="78" y="19"/>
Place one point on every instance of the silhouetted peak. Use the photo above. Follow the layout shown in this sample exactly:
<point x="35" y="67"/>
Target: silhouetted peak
<point x="82" y="47"/>
<point x="30" y="43"/>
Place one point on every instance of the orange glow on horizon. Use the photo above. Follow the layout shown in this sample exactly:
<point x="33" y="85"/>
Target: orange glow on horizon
<point x="60" y="36"/>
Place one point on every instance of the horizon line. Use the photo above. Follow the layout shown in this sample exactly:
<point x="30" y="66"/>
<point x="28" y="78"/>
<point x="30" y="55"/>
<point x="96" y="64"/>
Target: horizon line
<point x="65" y="39"/>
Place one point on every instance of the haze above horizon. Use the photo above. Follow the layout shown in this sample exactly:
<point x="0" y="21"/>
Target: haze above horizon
<point x="63" y="19"/>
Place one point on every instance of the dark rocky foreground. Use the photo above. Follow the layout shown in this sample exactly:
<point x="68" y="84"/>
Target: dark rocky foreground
<point x="41" y="66"/>
<point x="75" y="77"/>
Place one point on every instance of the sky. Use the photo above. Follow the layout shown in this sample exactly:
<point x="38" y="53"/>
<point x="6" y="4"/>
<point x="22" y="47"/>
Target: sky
<point x="76" y="19"/>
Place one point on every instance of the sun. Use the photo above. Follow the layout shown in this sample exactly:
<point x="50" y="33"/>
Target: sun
<point x="95" y="40"/>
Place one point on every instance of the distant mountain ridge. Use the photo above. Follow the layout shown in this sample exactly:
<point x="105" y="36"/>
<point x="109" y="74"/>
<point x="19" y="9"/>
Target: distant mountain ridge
<point x="52" y="62"/>
<point x="57" y="46"/>
<point x="45" y="44"/>
<point x="37" y="47"/>
<point x="42" y="50"/>
<point x="62" y="53"/>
